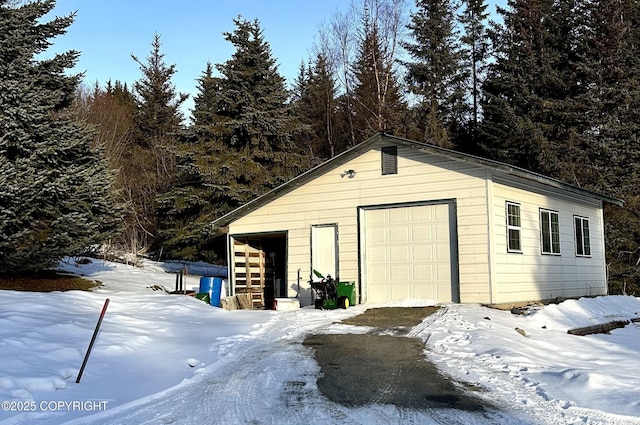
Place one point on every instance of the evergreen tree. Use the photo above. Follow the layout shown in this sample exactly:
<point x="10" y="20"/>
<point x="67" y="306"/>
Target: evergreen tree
<point x="529" y="90"/>
<point x="436" y="75"/>
<point x="159" y="104"/>
<point x="194" y="199"/>
<point x="253" y="112"/>
<point x="476" y="48"/>
<point x="241" y="147"/>
<point x="205" y="106"/>
<point x="302" y="108"/>
<point x="322" y="93"/>
<point x="610" y="72"/>
<point x="158" y="122"/>
<point x="55" y="192"/>
<point x="252" y="102"/>
<point x="314" y="105"/>
<point x="563" y="98"/>
<point x="378" y="104"/>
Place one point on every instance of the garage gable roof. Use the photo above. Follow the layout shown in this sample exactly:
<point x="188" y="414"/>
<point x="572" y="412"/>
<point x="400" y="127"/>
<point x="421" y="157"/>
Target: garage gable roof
<point x="423" y="147"/>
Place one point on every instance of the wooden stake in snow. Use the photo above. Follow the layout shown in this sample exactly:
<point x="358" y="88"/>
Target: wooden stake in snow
<point x="93" y="339"/>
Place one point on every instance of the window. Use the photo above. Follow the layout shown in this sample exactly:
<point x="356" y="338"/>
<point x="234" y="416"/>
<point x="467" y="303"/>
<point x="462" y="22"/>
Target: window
<point x="550" y="230"/>
<point x="583" y="243"/>
<point x="390" y="160"/>
<point x="513" y="228"/>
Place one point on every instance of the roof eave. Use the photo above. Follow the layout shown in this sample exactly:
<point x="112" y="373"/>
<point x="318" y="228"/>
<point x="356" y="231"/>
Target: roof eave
<point x="292" y="184"/>
<point x="226" y="219"/>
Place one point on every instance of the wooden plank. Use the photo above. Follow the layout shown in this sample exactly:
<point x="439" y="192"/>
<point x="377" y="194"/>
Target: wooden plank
<point x="601" y="328"/>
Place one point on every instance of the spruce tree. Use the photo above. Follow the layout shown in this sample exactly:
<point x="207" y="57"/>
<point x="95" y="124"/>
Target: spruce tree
<point x="158" y="122"/>
<point x="436" y="74"/>
<point x="528" y="91"/>
<point x="610" y="69"/>
<point x="378" y="103"/>
<point x="205" y="101"/>
<point x="323" y="92"/>
<point x="253" y="111"/>
<point x="302" y="108"/>
<point x="476" y="54"/>
<point x="610" y="72"/>
<point x="55" y="193"/>
<point x="240" y="146"/>
<point x="314" y="105"/>
<point x="253" y="98"/>
<point x="563" y="98"/>
<point x="159" y="113"/>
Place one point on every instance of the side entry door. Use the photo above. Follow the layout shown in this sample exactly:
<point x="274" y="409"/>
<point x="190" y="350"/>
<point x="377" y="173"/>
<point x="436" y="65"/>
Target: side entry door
<point x="324" y="250"/>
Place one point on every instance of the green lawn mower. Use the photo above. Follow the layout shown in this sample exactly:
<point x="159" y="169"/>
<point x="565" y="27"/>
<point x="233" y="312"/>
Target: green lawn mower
<point x="329" y="294"/>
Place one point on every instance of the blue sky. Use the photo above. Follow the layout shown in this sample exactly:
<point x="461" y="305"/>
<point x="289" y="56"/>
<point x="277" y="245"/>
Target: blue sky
<point x="108" y="32"/>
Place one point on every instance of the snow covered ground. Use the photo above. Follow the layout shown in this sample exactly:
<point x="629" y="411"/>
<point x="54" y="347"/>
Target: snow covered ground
<point x="172" y="359"/>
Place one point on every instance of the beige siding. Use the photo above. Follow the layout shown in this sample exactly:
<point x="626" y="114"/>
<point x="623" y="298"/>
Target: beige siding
<point x="531" y="275"/>
<point x="331" y="198"/>
<point x="487" y="273"/>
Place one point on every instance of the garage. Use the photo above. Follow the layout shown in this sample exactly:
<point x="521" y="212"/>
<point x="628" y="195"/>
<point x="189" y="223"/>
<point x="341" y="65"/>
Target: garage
<point x="404" y="219"/>
<point x="409" y="251"/>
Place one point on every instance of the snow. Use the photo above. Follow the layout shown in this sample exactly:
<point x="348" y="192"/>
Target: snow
<point x="163" y="358"/>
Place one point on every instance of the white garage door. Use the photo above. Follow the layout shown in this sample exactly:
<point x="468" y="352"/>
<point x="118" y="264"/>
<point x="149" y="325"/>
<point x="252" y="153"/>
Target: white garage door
<point x="406" y="253"/>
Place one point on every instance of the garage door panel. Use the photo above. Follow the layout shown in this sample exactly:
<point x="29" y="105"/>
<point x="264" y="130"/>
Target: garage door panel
<point x="413" y="258"/>
<point x="377" y="294"/>
<point x="425" y="291"/>
<point x="442" y="251"/>
<point x="399" y="253"/>
<point x="421" y="271"/>
<point x="400" y="273"/>
<point x="441" y="213"/>
<point x="399" y="291"/>
<point x="377" y="235"/>
<point x="418" y="214"/>
<point x="378" y="254"/>
<point x="378" y="275"/>
<point x="420" y="234"/>
<point x="399" y="234"/>
<point x="422" y="253"/>
<point x="441" y="232"/>
<point x="376" y="218"/>
<point x="442" y="273"/>
<point x="397" y="216"/>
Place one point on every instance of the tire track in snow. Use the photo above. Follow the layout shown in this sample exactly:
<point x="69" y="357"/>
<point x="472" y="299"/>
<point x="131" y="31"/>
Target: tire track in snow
<point x="422" y="330"/>
<point x="243" y="384"/>
<point x="268" y="377"/>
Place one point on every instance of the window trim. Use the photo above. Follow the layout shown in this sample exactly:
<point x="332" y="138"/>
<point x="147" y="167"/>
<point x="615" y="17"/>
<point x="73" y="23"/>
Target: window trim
<point x="513" y="227"/>
<point x="586" y="248"/>
<point x="551" y="241"/>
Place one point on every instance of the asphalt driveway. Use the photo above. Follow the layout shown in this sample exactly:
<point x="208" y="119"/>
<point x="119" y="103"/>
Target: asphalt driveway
<point x="385" y="367"/>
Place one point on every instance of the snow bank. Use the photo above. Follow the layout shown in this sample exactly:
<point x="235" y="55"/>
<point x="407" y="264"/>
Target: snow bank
<point x="163" y="358"/>
<point x="548" y="366"/>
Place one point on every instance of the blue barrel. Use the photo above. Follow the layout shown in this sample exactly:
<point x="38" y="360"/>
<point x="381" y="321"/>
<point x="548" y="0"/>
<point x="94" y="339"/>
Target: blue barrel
<point x="213" y="287"/>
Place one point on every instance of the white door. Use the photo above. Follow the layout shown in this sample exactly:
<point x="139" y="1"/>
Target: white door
<point x="406" y="253"/>
<point x="324" y="256"/>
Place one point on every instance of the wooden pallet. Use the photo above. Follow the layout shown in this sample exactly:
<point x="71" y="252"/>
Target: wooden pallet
<point x="250" y="272"/>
